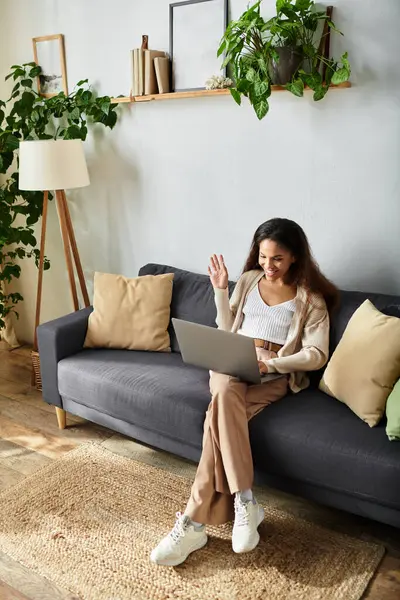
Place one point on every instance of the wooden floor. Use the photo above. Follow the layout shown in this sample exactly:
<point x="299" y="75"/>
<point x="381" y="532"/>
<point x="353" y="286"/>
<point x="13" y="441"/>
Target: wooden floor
<point x="30" y="438"/>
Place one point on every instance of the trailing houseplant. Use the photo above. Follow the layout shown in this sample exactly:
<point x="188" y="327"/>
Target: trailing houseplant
<point x="254" y="49"/>
<point x="28" y="116"/>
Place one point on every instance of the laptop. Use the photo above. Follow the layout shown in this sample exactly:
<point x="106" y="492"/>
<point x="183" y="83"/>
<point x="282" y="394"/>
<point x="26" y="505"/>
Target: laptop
<point x="222" y="351"/>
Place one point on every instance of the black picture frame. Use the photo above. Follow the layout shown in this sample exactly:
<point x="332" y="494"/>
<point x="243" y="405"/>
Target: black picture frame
<point x="224" y="23"/>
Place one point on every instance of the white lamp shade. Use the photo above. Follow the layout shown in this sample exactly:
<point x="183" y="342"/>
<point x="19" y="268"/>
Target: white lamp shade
<point x="52" y="165"/>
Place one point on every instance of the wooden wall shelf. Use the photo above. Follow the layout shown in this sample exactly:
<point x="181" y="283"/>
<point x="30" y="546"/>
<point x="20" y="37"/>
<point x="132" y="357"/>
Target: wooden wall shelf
<point x="202" y="94"/>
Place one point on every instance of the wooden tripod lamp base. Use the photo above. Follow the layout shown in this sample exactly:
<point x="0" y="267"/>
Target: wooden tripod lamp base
<point x="71" y="253"/>
<point x="54" y="165"/>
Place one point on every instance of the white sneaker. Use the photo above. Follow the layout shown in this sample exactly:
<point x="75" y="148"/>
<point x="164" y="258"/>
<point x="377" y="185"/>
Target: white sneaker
<point x="175" y="547"/>
<point x="248" y="516"/>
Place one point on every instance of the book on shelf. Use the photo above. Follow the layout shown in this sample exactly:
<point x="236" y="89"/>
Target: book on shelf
<point x="137" y="71"/>
<point x="134" y="73"/>
<point x="162" y="71"/>
<point x="140" y="53"/>
<point x="150" y="79"/>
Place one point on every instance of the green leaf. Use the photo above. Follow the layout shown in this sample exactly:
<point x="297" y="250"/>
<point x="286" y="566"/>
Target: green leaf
<point x="303" y="4"/>
<point x="16" y="87"/>
<point x="35" y="116"/>
<point x="262" y="63"/>
<point x="296" y="87"/>
<point x="235" y="95"/>
<point x="18" y="73"/>
<point x="330" y="70"/>
<point x="73" y="132"/>
<point x="110" y="119"/>
<point x="31" y="220"/>
<point x="311" y="23"/>
<point x="26" y="82"/>
<point x="35" y="71"/>
<point x="280" y="4"/>
<point x="345" y="62"/>
<point x="86" y="96"/>
<point x="11" y="143"/>
<point x="14" y="95"/>
<point x="84" y="131"/>
<point x="75" y="114"/>
<point x="313" y="80"/>
<point x="8" y="76"/>
<point x="260" y="88"/>
<point x="250" y="75"/>
<point x="27" y="237"/>
<point x="104" y="104"/>
<point x="320" y="92"/>
<point x="340" y="76"/>
<point x="221" y="48"/>
<point x="82" y="82"/>
<point x="24" y="106"/>
<point x="10" y="271"/>
<point x="333" y="26"/>
<point x="243" y="86"/>
<point x="226" y="61"/>
<point x="261" y="108"/>
<point x="15" y="297"/>
<point x="7" y="158"/>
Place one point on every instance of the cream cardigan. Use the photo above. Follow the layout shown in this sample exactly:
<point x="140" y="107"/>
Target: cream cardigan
<point x="307" y="344"/>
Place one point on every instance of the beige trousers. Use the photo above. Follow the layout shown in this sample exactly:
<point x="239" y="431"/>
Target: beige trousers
<point x="226" y="464"/>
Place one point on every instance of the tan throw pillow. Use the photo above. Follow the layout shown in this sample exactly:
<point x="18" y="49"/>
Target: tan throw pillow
<point x="131" y="314"/>
<point x="365" y="364"/>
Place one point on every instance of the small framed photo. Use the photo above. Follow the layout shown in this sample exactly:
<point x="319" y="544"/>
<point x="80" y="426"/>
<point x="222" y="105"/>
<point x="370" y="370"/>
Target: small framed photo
<point x="49" y="54"/>
<point x="195" y="31"/>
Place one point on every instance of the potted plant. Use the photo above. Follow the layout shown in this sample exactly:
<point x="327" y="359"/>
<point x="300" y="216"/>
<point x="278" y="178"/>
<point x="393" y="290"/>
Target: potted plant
<point x="28" y="116"/>
<point x="282" y="50"/>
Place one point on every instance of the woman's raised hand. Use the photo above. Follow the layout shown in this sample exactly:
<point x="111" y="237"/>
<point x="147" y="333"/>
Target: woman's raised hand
<point x="218" y="272"/>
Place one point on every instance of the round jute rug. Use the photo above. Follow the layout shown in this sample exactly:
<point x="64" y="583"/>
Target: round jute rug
<point x="88" y="522"/>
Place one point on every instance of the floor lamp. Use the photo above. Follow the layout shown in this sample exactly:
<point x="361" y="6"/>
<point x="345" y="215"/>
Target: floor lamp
<point x="54" y="165"/>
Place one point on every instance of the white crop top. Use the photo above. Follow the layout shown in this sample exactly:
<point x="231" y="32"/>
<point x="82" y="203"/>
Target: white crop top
<point x="265" y="322"/>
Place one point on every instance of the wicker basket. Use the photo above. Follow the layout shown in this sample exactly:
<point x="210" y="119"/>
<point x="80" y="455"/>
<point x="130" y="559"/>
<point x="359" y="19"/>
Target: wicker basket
<point x="36" y="376"/>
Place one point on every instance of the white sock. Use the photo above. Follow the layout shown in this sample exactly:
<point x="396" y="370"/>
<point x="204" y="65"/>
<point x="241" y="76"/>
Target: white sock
<point x="195" y="524"/>
<point x="246" y="494"/>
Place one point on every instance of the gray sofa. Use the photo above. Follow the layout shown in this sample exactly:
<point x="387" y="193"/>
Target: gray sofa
<point x="308" y="444"/>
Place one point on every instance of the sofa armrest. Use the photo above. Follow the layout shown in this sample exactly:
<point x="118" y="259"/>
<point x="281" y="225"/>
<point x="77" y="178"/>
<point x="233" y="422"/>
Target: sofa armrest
<point x="56" y="340"/>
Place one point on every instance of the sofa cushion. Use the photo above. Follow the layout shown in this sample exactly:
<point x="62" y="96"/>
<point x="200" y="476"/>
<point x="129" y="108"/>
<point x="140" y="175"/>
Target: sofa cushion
<point x="312" y="437"/>
<point x="366" y="363"/>
<point x="393" y="414"/>
<point x="130" y="313"/>
<point x="153" y="390"/>
<point x="192" y="297"/>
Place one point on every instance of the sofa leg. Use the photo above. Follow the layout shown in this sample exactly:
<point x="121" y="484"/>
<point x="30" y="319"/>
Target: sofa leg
<point x="61" y="417"/>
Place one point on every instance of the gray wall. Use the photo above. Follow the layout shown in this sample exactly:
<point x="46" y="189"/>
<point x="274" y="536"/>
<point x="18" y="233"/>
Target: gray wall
<point x="178" y="180"/>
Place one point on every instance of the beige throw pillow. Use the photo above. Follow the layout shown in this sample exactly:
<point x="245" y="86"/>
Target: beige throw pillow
<point x="132" y="314"/>
<point x="366" y="363"/>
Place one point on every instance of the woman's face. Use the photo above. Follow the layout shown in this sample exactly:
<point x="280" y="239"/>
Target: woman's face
<point x="274" y="260"/>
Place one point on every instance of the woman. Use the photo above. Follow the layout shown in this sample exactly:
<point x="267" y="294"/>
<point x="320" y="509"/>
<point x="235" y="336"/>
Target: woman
<point x="283" y="301"/>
